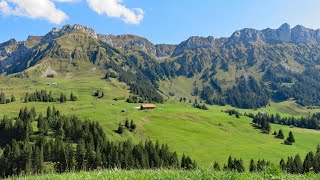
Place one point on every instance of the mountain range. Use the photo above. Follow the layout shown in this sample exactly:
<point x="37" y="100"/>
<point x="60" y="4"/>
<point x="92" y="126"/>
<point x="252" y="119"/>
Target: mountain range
<point x="248" y="69"/>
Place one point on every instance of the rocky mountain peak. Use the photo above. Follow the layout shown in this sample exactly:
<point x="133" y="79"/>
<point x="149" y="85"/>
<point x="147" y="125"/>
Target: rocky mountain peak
<point x="57" y="32"/>
<point x="298" y="34"/>
<point x="9" y="42"/>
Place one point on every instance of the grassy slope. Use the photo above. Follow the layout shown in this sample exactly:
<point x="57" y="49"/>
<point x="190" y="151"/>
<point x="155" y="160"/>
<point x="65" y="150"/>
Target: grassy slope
<point x="204" y="135"/>
<point x="167" y="174"/>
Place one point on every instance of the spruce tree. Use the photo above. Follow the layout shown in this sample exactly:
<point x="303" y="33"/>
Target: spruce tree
<point x="41" y="124"/>
<point x="132" y="126"/>
<point x="73" y="97"/>
<point x="127" y="124"/>
<point x="316" y="162"/>
<point x="308" y="162"/>
<point x="80" y="156"/>
<point x="297" y="164"/>
<point x="290" y="139"/>
<point x="267" y="127"/>
<point x="230" y="163"/>
<point x="120" y="129"/>
<point x="2" y="98"/>
<point x="283" y="165"/>
<point x="252" y="167"/>
<point x="216" y="166"/>
<point x="49" y="113"/>
<point x="280" y="134"/>
<point x="13" y="98"/>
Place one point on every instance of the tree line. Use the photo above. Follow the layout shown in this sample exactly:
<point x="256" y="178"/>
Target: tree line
<point x="261" y="121"/>
<point x="4" y="100"/>
<point x="295" y="165"/>
<point x="69" y="143"/>
<point x="45" y="96"/>
<point x="309" y="122"/>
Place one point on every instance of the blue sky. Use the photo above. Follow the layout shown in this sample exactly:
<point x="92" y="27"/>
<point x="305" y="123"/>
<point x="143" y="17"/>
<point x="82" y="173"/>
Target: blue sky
<point x="160" y="21"/>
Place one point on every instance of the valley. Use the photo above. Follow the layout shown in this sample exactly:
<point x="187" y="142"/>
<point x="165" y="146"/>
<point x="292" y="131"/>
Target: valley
<point x="192" y="84"/>
<point x="175" y="123"/>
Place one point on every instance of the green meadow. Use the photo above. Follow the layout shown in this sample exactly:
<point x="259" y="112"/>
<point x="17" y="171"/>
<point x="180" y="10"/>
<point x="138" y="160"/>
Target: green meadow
<point x="206" y="136"/>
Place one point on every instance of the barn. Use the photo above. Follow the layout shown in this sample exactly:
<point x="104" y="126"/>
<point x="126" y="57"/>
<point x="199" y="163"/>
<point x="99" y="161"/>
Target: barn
<point x="148" y="106"/>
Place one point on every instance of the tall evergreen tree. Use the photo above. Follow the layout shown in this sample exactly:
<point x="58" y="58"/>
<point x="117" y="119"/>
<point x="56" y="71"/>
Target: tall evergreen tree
<point x="13" y="98"/>
<point x="297" y="164"/>
<point x="290" y="139"/>
<point x="283" y="165"/>
<point x="280" y="134"/>
<point x="252" y="167"/>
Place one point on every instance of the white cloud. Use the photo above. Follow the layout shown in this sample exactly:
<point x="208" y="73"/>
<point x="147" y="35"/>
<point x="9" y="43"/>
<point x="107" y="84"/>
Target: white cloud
<point x="44" y="9"/>
<point x="115" y="8"/>
<point x="67" y="1"/>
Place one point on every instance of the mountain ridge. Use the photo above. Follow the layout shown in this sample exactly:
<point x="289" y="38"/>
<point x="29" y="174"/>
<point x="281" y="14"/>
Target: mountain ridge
<point x="284" y="34"/>
<point x="262" y="65"/>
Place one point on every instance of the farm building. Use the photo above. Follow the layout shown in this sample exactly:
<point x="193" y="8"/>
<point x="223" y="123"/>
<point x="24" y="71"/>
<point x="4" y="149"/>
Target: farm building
<point x="148" y="106"/>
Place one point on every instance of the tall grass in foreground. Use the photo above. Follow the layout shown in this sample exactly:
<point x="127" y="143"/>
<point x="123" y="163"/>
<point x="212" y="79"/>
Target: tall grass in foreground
<point x="171" y="174"/>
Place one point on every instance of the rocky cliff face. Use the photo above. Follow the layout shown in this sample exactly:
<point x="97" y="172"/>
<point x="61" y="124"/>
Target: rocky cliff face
<point x="298" y="34"/>
<point x="129" y="42"/>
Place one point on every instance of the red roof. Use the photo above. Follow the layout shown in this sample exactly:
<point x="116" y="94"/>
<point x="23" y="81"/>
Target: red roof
<point x="149" y="106"/>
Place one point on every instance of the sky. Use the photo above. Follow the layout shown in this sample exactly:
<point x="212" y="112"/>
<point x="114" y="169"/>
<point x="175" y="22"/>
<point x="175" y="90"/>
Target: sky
<point x="160" y="21"/>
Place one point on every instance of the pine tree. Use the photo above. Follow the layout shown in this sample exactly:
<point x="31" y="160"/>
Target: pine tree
<point x="80" y="156"/>
<point x="216" y="166"/>
<point x="283" y="165"/>
<point x="290" y="165"/>
<point x="308" y="162"/>
<point x="120" y="129"/>
<point x="49" y="113"/>
<point x="127" y="124"/>
<point x="241" y="167"/>
<point x="73" y="97"/>
<point x="290" y="139"/>
<point x="297" y="164"/>
<point x="132" y="125"/>
<point x="98" y="158"/>
<point x="230" y="163"/>
<point x="252" y="167"/>
<point x="267" y="127"/>
<point x="13" y="98"/>
<point x="280" y="134"/>
<point x="70" y="158"/>
<point x="33" y="112"/>
<point x="41" y="124"/>
<point x="316" y="162"/>
<point x="183" y="161"/>
<point x="62" y="98"/>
